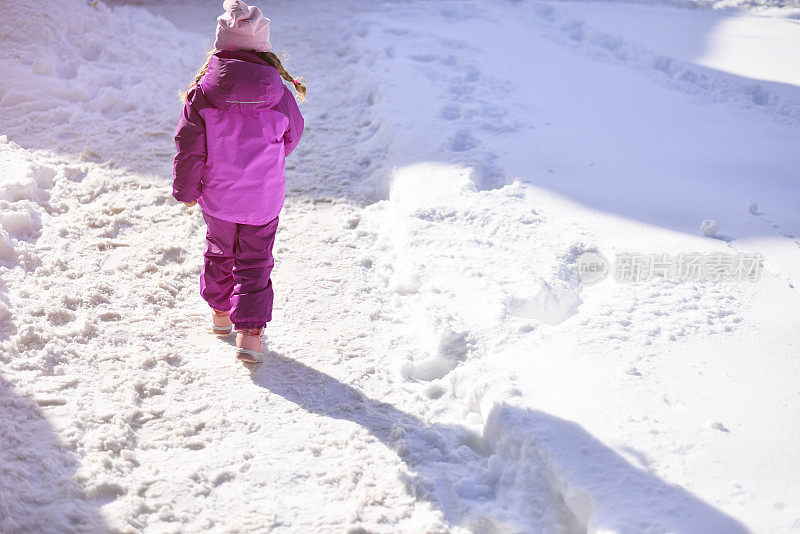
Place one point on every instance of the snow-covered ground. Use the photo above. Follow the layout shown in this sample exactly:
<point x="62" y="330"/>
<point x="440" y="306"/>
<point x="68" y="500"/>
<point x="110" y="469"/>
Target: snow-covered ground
<point x="436" y="363"/>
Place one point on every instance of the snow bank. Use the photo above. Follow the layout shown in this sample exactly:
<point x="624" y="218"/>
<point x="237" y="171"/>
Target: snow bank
<point x="78" y="78"/>
<point x="51" y="303"/>
<point x="602" y="490"/>
<point x="24" y="190"/>
<point x="470" y="255"/>
<point x="80" y="107"/>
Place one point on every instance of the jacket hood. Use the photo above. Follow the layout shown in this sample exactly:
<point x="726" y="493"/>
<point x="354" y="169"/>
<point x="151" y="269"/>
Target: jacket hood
<point x="237" y="79"/>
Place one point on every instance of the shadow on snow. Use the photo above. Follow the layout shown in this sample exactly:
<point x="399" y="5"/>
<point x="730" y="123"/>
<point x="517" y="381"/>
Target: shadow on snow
<point x="559" y="450"/>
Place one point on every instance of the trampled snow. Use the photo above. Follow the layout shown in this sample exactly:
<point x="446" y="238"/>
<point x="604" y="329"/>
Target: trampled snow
<point x="436" y="362"/>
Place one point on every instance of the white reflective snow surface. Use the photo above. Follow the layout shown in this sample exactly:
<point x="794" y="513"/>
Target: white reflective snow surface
<point x="435" y="363"/>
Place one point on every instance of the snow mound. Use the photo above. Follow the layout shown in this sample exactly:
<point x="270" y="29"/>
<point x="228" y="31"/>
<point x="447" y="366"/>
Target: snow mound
<point x="709" y="227"/>
<point x="80" y="80"/>
<point x="24" y="191"/>
<point x="618" y="497"/>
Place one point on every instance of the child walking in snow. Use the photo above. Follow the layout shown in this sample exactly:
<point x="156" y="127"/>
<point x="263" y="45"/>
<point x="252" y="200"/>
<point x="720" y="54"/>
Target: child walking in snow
<point x="239" y="122"/>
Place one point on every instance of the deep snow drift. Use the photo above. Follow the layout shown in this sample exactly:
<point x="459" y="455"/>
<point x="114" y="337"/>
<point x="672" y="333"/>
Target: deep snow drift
<point x="436" y="362"/>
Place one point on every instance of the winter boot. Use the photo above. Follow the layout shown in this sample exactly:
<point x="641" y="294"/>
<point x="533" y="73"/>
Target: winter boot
<point x="221" y="322"/>
<point x="249" y="347"/>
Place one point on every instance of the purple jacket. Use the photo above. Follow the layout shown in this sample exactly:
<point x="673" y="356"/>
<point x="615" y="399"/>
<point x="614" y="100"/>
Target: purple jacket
<point x="237" y="127"/>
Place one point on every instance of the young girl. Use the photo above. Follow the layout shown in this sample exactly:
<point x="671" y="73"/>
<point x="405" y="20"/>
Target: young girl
<point x="239" y="122"/>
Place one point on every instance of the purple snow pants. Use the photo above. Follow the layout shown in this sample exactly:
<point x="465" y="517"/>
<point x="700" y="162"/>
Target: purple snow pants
<point x="235" y="274"/>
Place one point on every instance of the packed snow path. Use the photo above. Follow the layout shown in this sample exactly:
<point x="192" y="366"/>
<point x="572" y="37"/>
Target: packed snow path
<point x="432" y="346"/>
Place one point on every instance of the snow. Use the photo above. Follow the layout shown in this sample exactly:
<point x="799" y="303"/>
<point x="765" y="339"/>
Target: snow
<point x="709" y="227"/>
<point x="439" y="360"/>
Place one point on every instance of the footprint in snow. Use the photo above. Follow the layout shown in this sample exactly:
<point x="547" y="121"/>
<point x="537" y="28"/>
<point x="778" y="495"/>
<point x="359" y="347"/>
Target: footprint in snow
<point x="424" y="58"/>
<point x="462" y="141"/>
<point x="450" y="112"/>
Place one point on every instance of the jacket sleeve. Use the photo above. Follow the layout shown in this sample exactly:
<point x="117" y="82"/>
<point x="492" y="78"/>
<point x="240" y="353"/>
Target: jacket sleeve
<point x="190" y="141"/>
<point x="288" y="106"/>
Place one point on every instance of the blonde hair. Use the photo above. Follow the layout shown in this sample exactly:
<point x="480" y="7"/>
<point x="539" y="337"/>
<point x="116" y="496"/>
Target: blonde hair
<point x="269" y="57"/>
<point x="273" y="60"/>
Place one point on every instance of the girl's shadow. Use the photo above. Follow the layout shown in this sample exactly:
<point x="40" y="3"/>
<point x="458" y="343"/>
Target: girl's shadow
<point x="516" y="473"/>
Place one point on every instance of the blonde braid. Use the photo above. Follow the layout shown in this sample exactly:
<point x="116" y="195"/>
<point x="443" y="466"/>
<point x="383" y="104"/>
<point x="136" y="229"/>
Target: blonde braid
<point x="273" y="60"/>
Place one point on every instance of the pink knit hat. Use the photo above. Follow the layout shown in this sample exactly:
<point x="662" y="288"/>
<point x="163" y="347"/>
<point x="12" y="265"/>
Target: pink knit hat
<point x="242" y="27"/>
